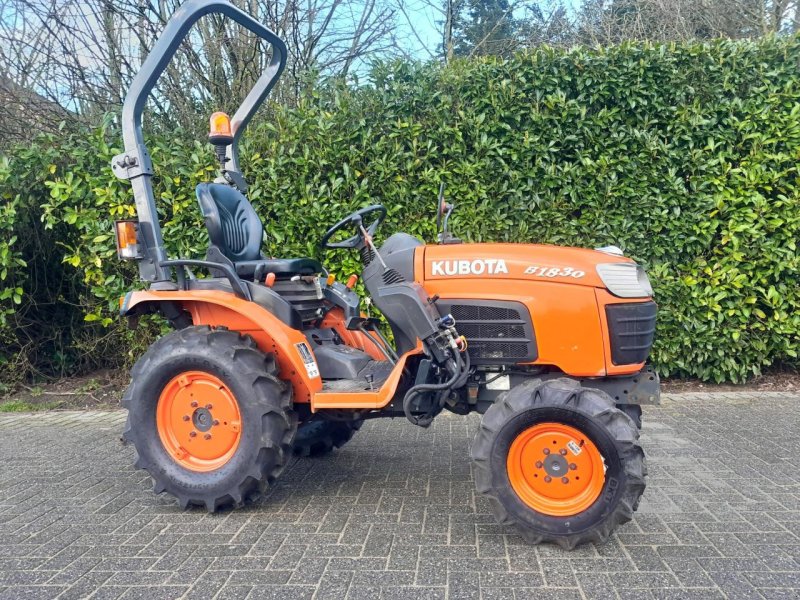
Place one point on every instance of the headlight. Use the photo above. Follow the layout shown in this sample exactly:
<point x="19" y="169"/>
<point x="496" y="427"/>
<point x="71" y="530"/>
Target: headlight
<point x="612" y="250"/>
<point x="626" y="280"/>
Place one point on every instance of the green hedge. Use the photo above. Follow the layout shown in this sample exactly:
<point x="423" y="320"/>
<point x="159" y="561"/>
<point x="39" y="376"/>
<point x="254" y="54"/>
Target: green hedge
<point x="684" y="155"/>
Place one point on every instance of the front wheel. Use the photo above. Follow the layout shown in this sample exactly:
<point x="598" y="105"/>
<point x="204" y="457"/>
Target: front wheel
<point x="558" y="462"/>
<point x="209" y="418"/>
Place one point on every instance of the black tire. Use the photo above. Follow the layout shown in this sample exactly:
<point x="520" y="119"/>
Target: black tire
<point x="268" y="424"/>
<point x="634" y="411"/>
<point x="592" y="412"/>
<point x="320" y="436"/>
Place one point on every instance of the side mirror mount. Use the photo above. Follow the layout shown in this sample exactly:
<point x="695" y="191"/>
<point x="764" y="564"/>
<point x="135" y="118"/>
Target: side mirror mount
<point x="443" y="210"/>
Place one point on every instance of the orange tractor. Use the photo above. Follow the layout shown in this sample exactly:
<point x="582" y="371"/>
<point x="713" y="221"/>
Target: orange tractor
<point x="273" y="356"/>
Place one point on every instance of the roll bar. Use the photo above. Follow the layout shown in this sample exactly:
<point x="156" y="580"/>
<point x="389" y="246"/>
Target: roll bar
<point x="135" y="163"/>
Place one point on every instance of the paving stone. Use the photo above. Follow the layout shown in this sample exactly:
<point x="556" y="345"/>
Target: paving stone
<point x="282" y="592"/>
<point x="647" y="559"/>
<point x="414" y="593"/>
<point x="233" y="592"/>
<point x="208" y="585"/>
<point x="463" y="586"/>
<point x="596" y="586"/>
<point x="394" y="514"/>
<point x="161" y="592"/>
<point x="108" y="593"/>
<point x="240" y="578"/>
<point x="363" y="592"/>
<point x="512" y="580"/>
<point x="558" y="573"/>
<point x="499" y="594"/>
<point x="734" y="585"/>
<point x="32" y="592"/>
<point x="779" y="594"/>
<point x="775" y="580"/>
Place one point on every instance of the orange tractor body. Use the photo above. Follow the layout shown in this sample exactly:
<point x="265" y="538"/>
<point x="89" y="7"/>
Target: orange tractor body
<point x="559" y="287"/>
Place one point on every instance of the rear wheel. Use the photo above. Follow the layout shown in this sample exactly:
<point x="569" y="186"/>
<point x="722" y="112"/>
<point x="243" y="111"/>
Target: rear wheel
<point x="210" y="420"/>
<point x="559" y="462"/>
<point x="320" y="436"/>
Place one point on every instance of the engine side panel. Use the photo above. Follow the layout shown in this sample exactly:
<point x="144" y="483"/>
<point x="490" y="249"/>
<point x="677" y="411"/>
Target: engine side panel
<point x="559" y="287"/>
<point x="565" y="318"/>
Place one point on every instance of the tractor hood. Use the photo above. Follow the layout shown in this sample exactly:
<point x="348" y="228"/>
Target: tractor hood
<point x="578" y="266"/>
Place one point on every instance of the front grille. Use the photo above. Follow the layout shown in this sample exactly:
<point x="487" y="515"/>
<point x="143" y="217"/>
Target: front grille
<point x="470" y="312"/>
<point x="490" y="330"/>
<point x="497" y="332"/>
<point x="481" y="350"/>
<point x="631" y="328"/>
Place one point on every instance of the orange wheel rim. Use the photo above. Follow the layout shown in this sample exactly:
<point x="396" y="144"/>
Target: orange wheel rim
<point x="198" y="421"/>
<point x="555" y="469"/>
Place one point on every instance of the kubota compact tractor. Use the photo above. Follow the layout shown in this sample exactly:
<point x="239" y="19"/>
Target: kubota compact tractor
<point x="272" y="356"/>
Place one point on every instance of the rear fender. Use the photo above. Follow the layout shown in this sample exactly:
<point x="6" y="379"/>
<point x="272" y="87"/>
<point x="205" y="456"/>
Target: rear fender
<point x="222" y="309"/>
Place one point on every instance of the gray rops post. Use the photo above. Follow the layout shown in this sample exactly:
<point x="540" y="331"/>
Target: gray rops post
<point x="135" y="164"/>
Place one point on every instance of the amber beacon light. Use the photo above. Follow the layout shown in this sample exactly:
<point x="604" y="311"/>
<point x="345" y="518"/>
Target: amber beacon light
<point x="219" y="132"/>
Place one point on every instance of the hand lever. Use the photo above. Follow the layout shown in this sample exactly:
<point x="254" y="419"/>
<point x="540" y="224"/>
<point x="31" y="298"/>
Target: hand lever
<point x="368" y="239"/>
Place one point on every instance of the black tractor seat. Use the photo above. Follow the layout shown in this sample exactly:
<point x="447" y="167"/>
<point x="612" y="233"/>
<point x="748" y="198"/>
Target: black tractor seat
<point x="236" y="231"/>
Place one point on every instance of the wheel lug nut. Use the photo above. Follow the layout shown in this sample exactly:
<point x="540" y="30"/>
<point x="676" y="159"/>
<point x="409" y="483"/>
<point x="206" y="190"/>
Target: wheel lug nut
<point x="216" y="422"/>
<point x="194" y="403"/>
<point x="546" y="451"/>
<point x="209" y="407"/>
<point x="573" y="466"/>
<point x="548" y="479"/>
<point x="185" y="417"/>
<point x="565" y="480"/>
<point x="192" y="433"/>
<point x="538" y="464"/>
<point x="207" y="436"/>
<point x="563" y="452"/>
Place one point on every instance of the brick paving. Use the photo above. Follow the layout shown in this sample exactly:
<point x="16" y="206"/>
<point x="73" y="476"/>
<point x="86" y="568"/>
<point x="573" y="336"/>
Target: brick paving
<point x="394" y="515"/>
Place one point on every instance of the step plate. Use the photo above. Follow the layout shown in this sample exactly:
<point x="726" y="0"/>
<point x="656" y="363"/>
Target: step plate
<point x="378" y="369"/>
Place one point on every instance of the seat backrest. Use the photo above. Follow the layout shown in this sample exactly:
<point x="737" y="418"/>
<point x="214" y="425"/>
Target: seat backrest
<point x="232" y="223"/>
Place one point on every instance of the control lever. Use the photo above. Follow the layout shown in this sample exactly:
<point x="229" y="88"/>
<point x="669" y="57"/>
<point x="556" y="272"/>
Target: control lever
<point x="368" y="239"/>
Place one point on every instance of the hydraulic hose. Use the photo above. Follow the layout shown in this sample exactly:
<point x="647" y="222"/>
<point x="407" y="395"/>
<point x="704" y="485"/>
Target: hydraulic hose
<point x="464" y="371"/>
<point x="460" y="372"/>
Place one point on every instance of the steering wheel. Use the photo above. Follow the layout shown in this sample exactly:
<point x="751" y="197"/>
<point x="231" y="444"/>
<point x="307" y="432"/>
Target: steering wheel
<point x="354" y="220"/>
